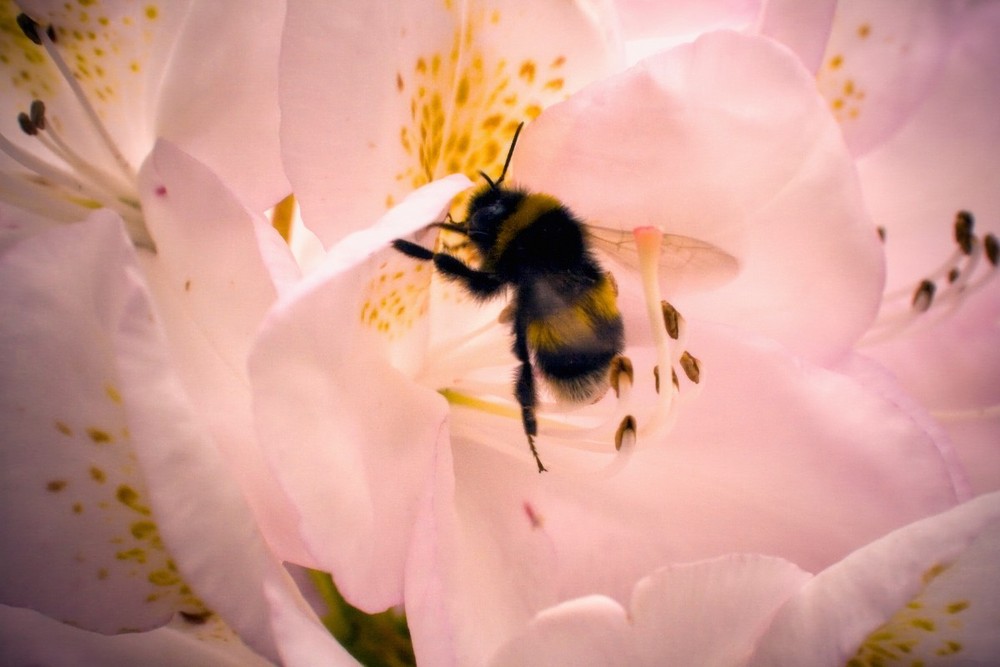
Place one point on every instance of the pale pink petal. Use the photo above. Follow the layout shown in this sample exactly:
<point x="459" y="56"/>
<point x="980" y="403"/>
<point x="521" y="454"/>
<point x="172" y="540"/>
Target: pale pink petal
<point x="201" y="512"/>
<point x="118" y="508"/>
<point x="804" y="27"/>
<point x="944" y="161"/>
<point x="219" y="99"/>
<point x="351" y="438"/>
<point x="80" y="543"/>
<point x="881" y="60"/>
<point x="380" y="98"/>
<point x="590" y="631"/>
<point x="773" y="456"/>
<point x="936" y="576"/>
<point x="300" y="638"/>
<point x="724" y="141"/>
<point x="705" y="613"/>
<point x="212" y="289"/>
<point x="649" y="26"/>
<point x="117" y="51"/>
<point x="29" y="638"/>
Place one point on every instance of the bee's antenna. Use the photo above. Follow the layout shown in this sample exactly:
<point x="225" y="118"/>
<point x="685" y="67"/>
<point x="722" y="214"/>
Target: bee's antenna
<point x="506" y="164"/>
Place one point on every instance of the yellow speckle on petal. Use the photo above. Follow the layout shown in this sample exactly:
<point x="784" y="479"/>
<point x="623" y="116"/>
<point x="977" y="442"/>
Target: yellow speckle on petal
<point x="129" y="497"/>
<point x="113" y="394"/>
<point x="527" y="71"/>
<point x="98" y="436"/>
<point x="63" y="428"/>
<point x="163" y="578"/>
<point x="142" y="530"/>
<point x="135" y="554"/>
<point x="957" y="606"/>
<point x="56" y="485"/>
<point x="917" y="631"/>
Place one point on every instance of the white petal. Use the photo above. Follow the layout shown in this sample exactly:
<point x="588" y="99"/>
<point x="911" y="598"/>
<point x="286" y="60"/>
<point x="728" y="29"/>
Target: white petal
<point x="833" y="614"/>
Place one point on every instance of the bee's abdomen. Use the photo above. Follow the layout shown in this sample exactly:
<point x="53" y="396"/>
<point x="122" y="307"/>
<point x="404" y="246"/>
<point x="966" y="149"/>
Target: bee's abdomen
<point x="574" y="375"/>
<point x="574" y="345"/>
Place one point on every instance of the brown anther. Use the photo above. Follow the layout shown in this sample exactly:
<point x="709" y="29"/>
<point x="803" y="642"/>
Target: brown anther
<point x="992" y="247"/>
<point x="656" y="377"/>
<point x="923" y="296"/>
<point x="37" y="114"/>
<point x="881" y="233"/>
<point x="953" y="275"/>
<point x="24" y="120"/>
<point x="29" y="27"/>
<point x="671" y="320"/>
<point x="626" y="429"/>
<point x="676" y="381"/>
<point x="964" y="222"/>
<point x="691" y="366"/>
<point x="621" y="365"/>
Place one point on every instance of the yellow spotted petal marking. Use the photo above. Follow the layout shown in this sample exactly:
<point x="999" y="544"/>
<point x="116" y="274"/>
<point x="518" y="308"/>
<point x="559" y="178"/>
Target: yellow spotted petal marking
<point x="108" y="491"/>
<point x="842" y="91"/>
<point x="464" y="106"/>
<point x="395" y="297"/>
<point x="917" y="631"/>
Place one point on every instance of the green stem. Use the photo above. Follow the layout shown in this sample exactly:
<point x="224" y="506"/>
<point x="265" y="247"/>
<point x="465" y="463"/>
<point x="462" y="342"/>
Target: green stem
<point x="373" y="639"/>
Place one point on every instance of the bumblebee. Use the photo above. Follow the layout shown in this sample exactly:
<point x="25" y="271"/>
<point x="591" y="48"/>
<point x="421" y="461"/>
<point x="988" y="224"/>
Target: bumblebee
<point x="564" y="313"/>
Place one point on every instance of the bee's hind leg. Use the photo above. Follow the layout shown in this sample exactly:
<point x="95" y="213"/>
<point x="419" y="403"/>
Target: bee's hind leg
<point x="524" y="391"/>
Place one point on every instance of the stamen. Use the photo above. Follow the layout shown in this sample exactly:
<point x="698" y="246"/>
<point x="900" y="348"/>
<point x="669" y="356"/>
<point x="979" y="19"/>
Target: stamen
<point x="923" y="296"/>
<point x="99" y="178"/>
<point x="656" y="377"/>
<point x="671" y="319"/>
<point x="691" y="366"/>
<point x="625" y="436"/>
<point x="27" y="125"/>
<point x="622" y="375"/>
<point x="48" y="41"/>
<point x="964" y="222"/>
<point x="30" y="29"/>
<point x="82" y="183"/>
<point x="37" y="113"/>
<point x="944" y="289"/>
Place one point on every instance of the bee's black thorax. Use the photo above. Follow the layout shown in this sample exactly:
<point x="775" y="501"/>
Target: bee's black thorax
<point x="522" y="235"/>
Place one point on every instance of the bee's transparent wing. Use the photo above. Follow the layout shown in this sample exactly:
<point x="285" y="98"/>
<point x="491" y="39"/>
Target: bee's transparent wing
<point x="685" y="262"/>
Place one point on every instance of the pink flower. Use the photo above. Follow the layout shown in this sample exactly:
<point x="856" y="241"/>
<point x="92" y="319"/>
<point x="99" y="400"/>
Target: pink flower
<point x="922" y="594"/>
<point x="126" y="420"/>
<point x="382" y="394"/>
<point x="940" y="165"/>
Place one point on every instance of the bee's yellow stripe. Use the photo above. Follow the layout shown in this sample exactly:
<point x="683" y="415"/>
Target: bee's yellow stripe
<point x="577" y="323"/>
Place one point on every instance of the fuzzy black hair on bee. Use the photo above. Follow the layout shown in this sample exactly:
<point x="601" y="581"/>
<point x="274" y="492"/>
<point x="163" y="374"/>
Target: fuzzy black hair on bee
<point x="564" y="312"/>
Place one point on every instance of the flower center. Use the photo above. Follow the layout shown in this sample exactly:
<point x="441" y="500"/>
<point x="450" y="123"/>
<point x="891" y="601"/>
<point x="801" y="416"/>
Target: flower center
<point x="596" y="437"/>
<point x="68" y="183"/>
<point x="942" y="290"/>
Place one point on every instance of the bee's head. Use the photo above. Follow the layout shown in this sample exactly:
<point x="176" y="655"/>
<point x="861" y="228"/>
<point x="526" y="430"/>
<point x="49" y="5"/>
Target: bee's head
<point x="490" y="207"/>
<point x="492" y="204"/>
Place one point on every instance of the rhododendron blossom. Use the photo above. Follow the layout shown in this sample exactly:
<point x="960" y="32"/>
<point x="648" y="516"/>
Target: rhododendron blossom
<point x="379" y="370"/>
<point x="121" y="377"/>
<point x="208" y="438"/>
